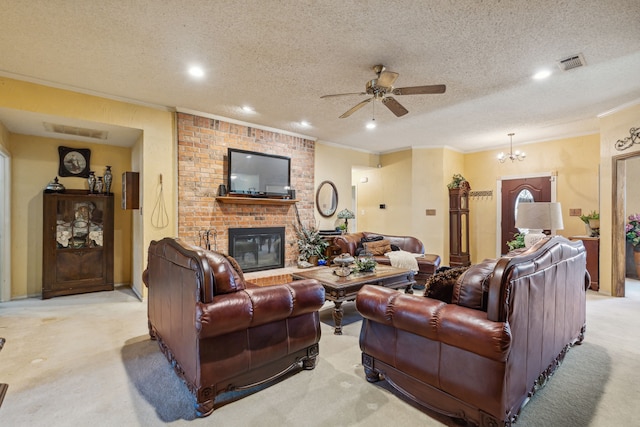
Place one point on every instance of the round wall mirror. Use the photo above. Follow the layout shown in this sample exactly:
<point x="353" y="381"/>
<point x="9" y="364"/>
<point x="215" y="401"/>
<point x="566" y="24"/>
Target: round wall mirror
<point x="327" y="199"/>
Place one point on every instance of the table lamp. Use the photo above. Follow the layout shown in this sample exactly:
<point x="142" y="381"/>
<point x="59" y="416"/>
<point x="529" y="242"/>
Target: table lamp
<point x="538" y="216"/>
<point x="346" y="214"/>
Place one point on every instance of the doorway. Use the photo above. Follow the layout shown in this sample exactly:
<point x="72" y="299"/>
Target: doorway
<point x="5" y="227"/>
<point x="516" y="189"/>
<point x="620" y="166"/>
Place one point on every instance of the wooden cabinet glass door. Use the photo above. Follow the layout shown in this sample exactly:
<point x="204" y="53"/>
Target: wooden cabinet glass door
<point x="77" y="254"/>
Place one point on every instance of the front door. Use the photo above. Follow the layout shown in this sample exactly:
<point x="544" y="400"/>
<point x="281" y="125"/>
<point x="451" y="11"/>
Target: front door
<point x="514" y="191"/>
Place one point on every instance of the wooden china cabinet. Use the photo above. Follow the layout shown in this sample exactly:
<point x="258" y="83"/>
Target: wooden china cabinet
<point x="77" y="250"/>
<point x="459" y="226"/>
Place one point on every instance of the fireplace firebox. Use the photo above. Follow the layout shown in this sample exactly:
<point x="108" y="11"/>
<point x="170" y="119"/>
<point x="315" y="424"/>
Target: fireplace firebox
<point x="257" y="248"/>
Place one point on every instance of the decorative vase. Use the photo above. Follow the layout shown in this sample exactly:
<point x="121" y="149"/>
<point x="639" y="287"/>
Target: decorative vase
<point x="313" y="259"/>
<point x="107" y="180"/>
<point x="99" y="185"/>
<point x="92" y="181"/>
<point x="636" y="259"/>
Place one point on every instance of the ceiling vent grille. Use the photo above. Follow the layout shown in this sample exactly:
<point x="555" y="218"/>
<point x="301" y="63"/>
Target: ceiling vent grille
<point x="76" y="131"/>
<point x="572" y="62"/>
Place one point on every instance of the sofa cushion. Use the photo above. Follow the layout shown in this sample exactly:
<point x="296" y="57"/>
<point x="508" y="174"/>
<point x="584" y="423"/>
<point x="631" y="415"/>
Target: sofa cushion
<point x="227" y="274"/>
<point x="472" y="288"/>
<point x="366" y="239"/>
<point x="440" y="285"/>
<point x="379" y="247"/>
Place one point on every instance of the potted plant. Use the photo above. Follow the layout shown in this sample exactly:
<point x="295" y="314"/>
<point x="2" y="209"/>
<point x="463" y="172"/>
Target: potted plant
<point x="364" y="264"/>
<point x="592" y="223"/>
<point x="517" y="242"/>
<point x="458" y="181"/>
<point x="311" y="245"/>
<point x="632" y="231"/>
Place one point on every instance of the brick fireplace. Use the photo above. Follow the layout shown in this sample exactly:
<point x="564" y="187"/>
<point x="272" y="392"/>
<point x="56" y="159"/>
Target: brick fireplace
<point x="202" y="151"/>
<point x="257" y="248"/>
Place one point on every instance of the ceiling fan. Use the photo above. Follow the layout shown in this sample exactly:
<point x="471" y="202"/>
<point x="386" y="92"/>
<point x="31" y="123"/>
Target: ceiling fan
<point x="382" y="87"/>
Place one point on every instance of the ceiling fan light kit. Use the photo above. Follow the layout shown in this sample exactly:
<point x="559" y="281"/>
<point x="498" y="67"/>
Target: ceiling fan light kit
<point x="382" y="87"/>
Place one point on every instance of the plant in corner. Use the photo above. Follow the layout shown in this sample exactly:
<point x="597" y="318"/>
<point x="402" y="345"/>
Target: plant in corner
<point x="310" y="242"/>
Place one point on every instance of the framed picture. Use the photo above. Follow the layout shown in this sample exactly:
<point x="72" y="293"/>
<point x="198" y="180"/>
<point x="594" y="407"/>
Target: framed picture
<point x="74" y="161"/>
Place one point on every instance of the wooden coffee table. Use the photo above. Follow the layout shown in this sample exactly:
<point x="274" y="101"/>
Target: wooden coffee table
<point x="340" y="289"/>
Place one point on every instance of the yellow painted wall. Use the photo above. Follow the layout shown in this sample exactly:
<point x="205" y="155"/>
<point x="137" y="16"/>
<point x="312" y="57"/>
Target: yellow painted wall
<point x="395" y="193"/>
<point x="333" y="163"/>
<point x="432" y="171"/>
<point x="409" y="182"/>
<point x="35" y="163"/>
<point x="158" y="148"/>
<point x="366" y="211"/>
<point x="575" y="160"/>
<point x="4" y="137"/>
<point x="390" y="185"/>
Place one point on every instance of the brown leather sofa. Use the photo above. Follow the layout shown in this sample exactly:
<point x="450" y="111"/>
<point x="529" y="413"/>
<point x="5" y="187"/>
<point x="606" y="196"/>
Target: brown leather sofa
<point x="480" y="366"/>
<point x="222" y="333"/>
<point x="427" y="263"/>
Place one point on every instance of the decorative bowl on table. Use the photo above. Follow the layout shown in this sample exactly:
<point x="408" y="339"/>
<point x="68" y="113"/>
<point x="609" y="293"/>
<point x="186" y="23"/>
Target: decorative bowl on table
<point x="343" y="261"/>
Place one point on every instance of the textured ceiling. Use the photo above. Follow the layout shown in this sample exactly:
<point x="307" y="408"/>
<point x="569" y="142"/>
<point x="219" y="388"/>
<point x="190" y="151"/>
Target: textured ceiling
<point x="281" y="56"/>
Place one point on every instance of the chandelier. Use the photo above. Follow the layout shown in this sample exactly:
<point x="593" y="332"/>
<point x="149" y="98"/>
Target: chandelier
<point x="502" y="157"/>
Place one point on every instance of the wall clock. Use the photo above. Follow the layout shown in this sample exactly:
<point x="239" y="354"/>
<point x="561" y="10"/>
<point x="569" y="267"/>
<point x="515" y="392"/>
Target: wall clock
<point x="74" y="161"/>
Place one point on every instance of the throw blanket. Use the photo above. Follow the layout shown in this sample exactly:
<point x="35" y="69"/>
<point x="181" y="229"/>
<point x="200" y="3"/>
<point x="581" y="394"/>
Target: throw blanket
<point x="403" y="259"/>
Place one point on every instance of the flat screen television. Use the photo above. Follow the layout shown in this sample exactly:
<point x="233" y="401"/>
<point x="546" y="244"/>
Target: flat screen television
<point x="258" y="174"/>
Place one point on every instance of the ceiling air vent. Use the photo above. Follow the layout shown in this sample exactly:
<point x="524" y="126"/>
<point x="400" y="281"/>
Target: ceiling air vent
<point x="76" y="131"/>
<point x="571" y="62"/>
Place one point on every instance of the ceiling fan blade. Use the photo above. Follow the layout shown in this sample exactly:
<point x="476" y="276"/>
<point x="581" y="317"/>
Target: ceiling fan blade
<point x="394" y="106"/>
<point x="343" y="94"/>
<point x="356" y="108"/>
<point x="387" y="78"/>
<point x="419" y="90"/>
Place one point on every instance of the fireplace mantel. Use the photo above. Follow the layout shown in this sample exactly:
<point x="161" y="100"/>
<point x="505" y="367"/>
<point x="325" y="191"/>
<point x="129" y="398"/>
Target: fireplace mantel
<point x="255" y="201"/>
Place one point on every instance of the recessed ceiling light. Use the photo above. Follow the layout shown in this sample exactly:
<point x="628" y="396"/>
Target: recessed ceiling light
<point x="371" y="125"/>
<point x="247" y="109"/>
<point x="305" y="124"/>
<point x="196" y="71"/>
<point x="542" y="74"/>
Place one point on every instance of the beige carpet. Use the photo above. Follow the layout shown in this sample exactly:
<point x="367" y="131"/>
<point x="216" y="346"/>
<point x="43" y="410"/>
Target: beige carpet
<point x="87" y="360"/>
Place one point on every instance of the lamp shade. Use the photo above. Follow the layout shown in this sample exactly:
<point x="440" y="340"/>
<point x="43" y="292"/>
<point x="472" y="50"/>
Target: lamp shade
<point x="539" y="216"/>
<point x="346" y="214"/>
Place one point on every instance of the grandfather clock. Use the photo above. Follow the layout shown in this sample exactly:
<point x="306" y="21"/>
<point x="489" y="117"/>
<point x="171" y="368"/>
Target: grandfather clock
<point x="459" y="225"/>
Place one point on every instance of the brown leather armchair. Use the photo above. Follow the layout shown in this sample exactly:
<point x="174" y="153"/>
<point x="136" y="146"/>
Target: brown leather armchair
<point x="482" y="356"/>
<point x="221" y="333"/>
<point x="427" y="263"/>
